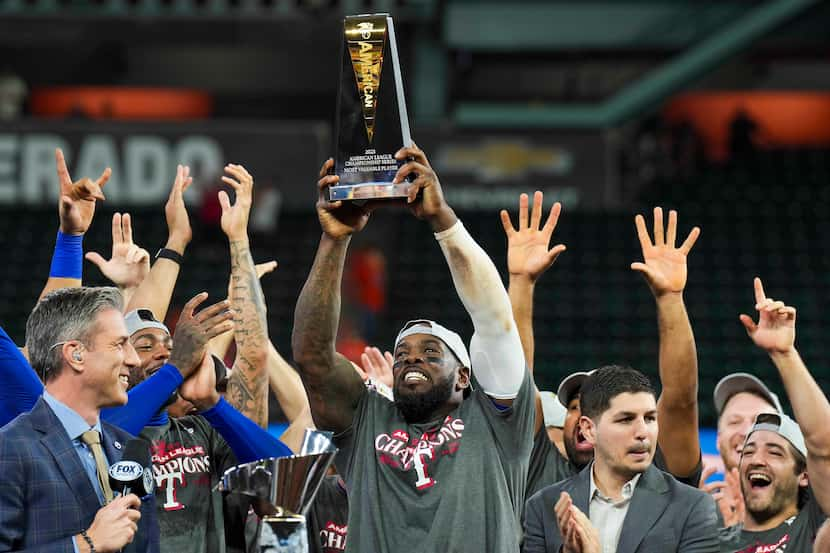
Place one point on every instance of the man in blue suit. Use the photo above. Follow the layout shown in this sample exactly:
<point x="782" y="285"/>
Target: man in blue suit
<point x="54" y="491"/>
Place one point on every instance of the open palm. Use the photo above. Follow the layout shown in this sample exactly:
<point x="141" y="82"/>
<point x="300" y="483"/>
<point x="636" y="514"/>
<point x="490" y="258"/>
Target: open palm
<point x="664" y="265"/>
<point x="527" y="247"/>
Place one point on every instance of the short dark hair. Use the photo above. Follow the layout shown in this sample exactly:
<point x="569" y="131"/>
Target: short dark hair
<point x="608" y="382"/>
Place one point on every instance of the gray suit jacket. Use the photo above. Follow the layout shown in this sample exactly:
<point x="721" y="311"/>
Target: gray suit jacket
<point x="663" y="516"/>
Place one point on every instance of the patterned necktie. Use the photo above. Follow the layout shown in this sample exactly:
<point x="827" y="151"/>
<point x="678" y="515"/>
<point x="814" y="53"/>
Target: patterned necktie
<point x="92" y="438"/>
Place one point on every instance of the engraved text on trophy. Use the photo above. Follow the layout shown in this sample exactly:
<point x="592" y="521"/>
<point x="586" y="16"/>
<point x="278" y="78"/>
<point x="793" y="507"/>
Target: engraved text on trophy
<point x="366" y="41"/>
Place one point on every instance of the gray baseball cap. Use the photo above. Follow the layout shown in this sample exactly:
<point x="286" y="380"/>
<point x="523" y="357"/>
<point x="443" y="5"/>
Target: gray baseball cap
<point x="571" y="385"/>
<point x="141" y="319"/>
<point x="736" y="383"/>
<point x="782" y="425"/>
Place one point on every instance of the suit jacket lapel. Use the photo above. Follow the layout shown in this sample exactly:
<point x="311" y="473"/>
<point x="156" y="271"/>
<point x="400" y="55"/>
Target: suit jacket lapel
<point x="649" y="501"/>
<point x="581" y="489"/>
<point x="55" y="440"/>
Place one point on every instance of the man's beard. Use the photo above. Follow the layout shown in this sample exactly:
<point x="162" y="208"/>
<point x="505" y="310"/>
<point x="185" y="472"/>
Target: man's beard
<point x="418" y="407"/>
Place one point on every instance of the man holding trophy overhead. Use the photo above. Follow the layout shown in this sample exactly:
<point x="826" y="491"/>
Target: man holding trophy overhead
<point x="459" y="431"/>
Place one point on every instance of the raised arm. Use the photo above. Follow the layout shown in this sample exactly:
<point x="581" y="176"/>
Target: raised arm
<point x="664" y="269"/>
<point x="129" y="264"/>
<point x="775" y="333"/>
<point x="248" y="384"/>
<point x="528" y="257"/>
<point x="495" y="349"/>
<point x="332" y="385"/>
<point x="76" y="208"/>
<point x="157" y="289"/>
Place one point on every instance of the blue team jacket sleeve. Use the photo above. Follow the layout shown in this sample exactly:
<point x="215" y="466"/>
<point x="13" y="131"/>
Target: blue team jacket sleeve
<point x="248" y="441"/>
<point x="145" y="400"/>
<point x="21" y="387"/>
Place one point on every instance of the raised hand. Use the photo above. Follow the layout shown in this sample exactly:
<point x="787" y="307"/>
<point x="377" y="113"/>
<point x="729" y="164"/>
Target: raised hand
<point x="194" y="330"/>
<point x="114" y="525"/>
<point x="76" y="205"/>
<point x="425" y="197"/>
<point x="775" y="330"/>
<point x="263" y="269"/>
<point x="129" y="264"/>
<point x="200" y="387"/>
<point x="664" y="265"/>
<point x="377" y="366"/>
<point x="178" y="224"/>
<point x="235" y="217"/>
<point x="527" y="248"/>
<point x="726" y="493"/>
<point x="338" y="219"/>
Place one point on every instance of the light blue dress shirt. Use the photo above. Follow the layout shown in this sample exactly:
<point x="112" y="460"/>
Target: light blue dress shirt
<point x="75" y="425"/>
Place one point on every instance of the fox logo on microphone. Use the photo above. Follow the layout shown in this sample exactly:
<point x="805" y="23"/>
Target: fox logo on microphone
<point x="126" y="471"/>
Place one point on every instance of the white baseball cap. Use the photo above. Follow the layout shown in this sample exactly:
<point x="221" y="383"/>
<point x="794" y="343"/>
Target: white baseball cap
<point x="141" y="319"/>
<point x="425" y="326"/>
<point x="553" y="410"/>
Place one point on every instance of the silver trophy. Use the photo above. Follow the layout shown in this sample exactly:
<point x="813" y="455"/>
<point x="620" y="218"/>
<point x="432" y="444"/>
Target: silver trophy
<point x="284" y="488"/>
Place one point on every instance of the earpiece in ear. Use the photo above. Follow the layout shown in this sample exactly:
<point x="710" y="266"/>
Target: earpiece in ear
<point x="76" y="355"/>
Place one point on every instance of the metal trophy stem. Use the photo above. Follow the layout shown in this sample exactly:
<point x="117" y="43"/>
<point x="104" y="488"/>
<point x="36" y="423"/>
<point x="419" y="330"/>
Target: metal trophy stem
<point x="285" y="488"/>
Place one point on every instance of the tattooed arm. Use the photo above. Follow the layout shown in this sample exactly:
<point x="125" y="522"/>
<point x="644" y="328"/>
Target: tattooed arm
<point x="248" y="384"/>
<point x="333" y="386"/>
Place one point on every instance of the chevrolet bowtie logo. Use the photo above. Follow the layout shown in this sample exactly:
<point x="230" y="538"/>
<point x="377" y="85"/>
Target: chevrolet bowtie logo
<point x="494" y="160"/>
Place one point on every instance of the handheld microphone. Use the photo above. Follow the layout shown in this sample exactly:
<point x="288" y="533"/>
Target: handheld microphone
<point x="134" y="472"/>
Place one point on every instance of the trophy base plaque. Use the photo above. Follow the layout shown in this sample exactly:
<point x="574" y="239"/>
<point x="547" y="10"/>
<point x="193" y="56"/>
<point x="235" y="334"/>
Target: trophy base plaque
<point x="372" y="123"/>
<point x="368" y="191"/>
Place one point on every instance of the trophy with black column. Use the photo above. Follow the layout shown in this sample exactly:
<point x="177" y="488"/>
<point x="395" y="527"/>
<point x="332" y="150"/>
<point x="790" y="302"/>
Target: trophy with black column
<point x="283" y="489"/>
<point x="372" y="123"/>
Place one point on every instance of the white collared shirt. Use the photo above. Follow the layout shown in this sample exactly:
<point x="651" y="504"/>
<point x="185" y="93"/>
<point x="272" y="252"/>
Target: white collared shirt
<point x="607" y="515"/>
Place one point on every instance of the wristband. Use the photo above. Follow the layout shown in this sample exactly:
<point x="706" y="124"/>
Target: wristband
<point x="67" y="259"/>
<point x="172" y="255"/>
<point x="88" y="541"/>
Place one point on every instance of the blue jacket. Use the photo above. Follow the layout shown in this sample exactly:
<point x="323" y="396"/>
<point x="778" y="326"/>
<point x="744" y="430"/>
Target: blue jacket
<point x="45" y="495"/>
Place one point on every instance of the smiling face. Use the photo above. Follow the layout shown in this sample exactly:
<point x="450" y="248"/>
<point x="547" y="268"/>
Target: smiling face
<point x="427" y="377"/>
<point x="580" y="451"/>
<point x="625" y="436"/>
<point x="153" y="346"/>
<point x="770" y="476"/>
<point x="735" y="422"/>
<point x="109" y="359"/>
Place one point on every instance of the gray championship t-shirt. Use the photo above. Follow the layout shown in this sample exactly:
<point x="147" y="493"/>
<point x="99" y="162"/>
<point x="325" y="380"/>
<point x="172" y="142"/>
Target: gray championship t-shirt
<point x="328" y="518"/>
<point x="188" y="458"/>
<point x="547" y="465"/>
<point x="795" y="535"/>
<point x="454" y="485"/>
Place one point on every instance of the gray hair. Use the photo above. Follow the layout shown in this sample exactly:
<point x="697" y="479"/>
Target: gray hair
<point x="63" y="315"/>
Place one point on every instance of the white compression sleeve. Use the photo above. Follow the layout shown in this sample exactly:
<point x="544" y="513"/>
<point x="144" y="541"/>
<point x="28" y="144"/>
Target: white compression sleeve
<point x="495" y="349"/>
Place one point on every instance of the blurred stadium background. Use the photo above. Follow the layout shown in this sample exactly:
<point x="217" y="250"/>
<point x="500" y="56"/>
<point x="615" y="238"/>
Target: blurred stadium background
<point x="718" y="108"/>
